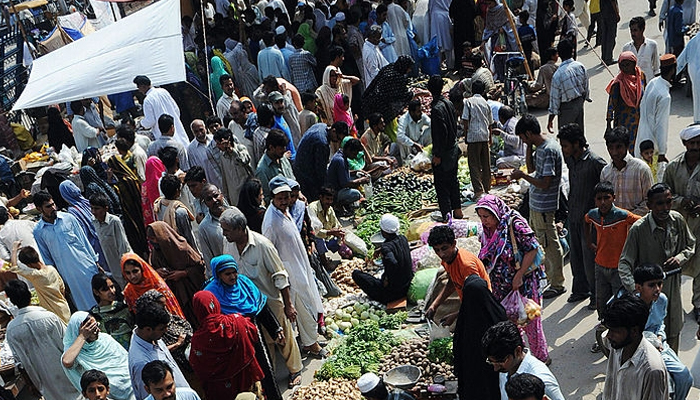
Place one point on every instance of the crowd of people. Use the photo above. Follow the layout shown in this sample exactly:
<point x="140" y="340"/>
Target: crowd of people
<point x="180" y="256"/>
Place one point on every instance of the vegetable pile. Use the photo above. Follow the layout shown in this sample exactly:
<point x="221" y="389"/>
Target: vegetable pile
<point x="360" y="351"/>
<point x="440" y="351"/>
<point x="370" y="224"/>
<point x="342" y="275"/>
<point x="336" y="389"/>
<point x="413" y="352"/>
<point x="345" y="319"/>
<point x="398" y="193"/>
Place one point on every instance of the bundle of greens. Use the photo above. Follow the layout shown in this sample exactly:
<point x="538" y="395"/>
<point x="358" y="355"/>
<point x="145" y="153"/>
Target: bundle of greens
<point x="440" y="350"/>
<point x="393" y="321"/>
<point x="359" y="352"/>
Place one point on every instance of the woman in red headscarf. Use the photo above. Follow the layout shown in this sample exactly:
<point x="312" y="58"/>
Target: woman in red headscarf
<point x="625" y="92"/>
<point x="223" y="351"/>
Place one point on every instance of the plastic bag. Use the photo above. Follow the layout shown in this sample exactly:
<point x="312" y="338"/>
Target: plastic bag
<point x="514" y="305"/>
<point x="419" y="285"/>
<point x="437" y="331"/>
<point x="532" y="309"/>
<point x="420" y="162"/>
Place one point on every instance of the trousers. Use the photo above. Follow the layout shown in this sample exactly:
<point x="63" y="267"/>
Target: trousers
<point x="447" y="189"/>
<point x="479" y="161"/>
<point x="546" y="232"/>
<point x="607" y="32"/>
<point x="582" y="261"/>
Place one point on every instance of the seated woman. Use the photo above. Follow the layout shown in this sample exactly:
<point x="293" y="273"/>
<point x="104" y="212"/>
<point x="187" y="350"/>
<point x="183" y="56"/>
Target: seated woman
<point x="237" y="294"/>
<point x="85" y="348"/>
<point x="223" y="350"/>
<point x="178" y="334"/>
<point x="181" y="266"/>
<point x="111" y="313"/>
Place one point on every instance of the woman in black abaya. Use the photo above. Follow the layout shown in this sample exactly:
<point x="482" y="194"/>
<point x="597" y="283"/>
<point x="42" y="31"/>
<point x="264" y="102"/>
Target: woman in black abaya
<point x="478" y="312"/>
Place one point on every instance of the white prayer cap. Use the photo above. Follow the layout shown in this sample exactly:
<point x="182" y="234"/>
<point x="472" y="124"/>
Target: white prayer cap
<point x="340" y="16"/>
<point x="367" y="382"/>
<point x="389" y="223"/>
<point x="690" y="132"/>
<point x="280" y="30"/>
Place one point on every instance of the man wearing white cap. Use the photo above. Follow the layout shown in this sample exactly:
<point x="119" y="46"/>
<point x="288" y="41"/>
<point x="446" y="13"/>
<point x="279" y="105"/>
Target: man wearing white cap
<point x="683" y="177"/>
<point x="396" y="259"/>
<point x="372" y="388"/>
<point x="281" y="230"/>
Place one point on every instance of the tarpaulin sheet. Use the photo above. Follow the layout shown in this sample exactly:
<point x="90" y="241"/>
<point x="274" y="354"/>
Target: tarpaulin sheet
<point x="148" y="42"/>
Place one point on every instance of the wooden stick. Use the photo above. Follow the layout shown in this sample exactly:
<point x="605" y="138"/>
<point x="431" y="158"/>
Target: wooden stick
<point x="517" y="40"/>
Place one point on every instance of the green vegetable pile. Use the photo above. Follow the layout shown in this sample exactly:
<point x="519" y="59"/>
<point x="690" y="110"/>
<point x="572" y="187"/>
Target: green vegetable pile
<point x="393" y="321"/>
<point x="397" y="193"/>
<point x="359" y="352"/>
<point x="463" y="172"/>
<point x="440" y="350"/>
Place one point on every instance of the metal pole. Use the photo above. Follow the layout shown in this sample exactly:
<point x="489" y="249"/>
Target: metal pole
<point x="517" y="39"/>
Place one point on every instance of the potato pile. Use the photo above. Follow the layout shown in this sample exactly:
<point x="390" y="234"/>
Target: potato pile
<point x="342" y="275"/>
<point x="415" y="352"/>
<point x="334" y="389"/>
<point x="513" y="200"/>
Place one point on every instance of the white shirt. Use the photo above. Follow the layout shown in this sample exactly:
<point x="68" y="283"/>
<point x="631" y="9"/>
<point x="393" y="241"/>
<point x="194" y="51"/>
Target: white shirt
<point x="223" y="105"/>
<point x="84" y="134"/>
<point x="654" y="110"/>
<point x="239" y="134"/>
<point x="158" y="102"/>
<point x="181" y="393"/>
<point x="139" y="155"/>
<point x="531" y="365"/>
<point x="642" y="376"/>
<point x="372" y="60"/>
<point x="410" y="132"/>
<point x="647" y="57"/>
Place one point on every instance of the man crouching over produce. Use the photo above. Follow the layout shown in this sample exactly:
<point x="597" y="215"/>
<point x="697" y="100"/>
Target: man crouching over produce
<point x="458" y="263"/>
<point x="396" y="259"/>
<point x="372" y="388"/>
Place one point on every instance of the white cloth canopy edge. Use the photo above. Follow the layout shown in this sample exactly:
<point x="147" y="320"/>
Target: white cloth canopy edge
<point x="148" y="42"/>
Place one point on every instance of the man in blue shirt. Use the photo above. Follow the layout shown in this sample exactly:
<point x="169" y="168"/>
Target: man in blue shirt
<point x="675" y="28"/>
<point x="312" y="156"/>
<point x="271" y="60"/>
<point x="338" y="176"/>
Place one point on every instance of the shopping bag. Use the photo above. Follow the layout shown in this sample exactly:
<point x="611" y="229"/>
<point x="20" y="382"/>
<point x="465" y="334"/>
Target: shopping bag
<point x="437" y="331"/>
<point x="514" y="304"/>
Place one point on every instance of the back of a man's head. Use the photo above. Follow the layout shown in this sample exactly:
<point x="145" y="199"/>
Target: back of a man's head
<point x="501" y="340"/>
<point x="627" y="311"/>
<point x="165" y="123"/>
<point x="525" y="387"/>
<point x="151" y="315"/>
<point x="18" y="293"/>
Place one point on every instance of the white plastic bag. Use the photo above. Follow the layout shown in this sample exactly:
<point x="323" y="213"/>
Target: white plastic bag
<point x="437" y="331"/>
<point x="420" y="162"/>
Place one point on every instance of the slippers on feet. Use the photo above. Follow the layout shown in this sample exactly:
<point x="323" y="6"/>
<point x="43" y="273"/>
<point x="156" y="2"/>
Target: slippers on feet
<point x="294" y="380"/>
<point x="321" y="354"/>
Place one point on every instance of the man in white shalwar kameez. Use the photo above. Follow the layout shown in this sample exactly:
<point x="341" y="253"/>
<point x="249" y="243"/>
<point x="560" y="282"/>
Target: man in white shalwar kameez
<point x="158" y="102"/>
<point x="35" y="337"/>
<point x="689" y="58"/>
<point x="441" y="26"/>
<point x="282" y="231"/>
<point x="372" y="58"/>
<point x="654" y="109"/>
<point x="399" y="21"/>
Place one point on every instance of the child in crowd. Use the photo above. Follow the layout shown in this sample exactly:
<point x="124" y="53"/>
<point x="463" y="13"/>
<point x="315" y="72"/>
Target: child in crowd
<point x="612" y="225"/>
<point x="648" y="154"/>
<point x="470" y="61"/>
<point x="308" y="116"/>
<point x="528" y="37"/>
<point x="95" y="385"/>
<point x="648" y="282"/>
<point x="341" y="112"/>
<point x="47" y="282"/>
<point x="111" y="312"/>
<point x="111" y="233"/>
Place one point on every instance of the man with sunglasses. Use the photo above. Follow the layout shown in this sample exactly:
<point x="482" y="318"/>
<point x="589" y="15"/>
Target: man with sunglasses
<point x="506" y="353"/>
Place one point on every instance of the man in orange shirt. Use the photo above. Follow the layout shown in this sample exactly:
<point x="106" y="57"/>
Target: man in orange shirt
<point x="458" y="263"/>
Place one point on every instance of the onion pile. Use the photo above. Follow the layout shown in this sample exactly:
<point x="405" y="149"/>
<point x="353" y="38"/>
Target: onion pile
<point x="334" y="389"/>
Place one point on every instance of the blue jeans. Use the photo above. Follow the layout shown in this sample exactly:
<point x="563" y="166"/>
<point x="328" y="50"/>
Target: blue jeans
<point x="347" y="196"/>
<point x="682" y="379"/>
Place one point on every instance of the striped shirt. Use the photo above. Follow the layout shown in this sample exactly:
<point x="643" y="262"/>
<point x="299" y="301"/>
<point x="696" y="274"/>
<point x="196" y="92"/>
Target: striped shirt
<point x="631" y="183"/>
<point x="568" y="83"/>
<point x="548" y="162"/>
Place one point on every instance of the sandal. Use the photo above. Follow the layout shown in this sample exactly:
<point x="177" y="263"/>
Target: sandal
<point x="294" y="380"/>
<point x="321" y="354"/>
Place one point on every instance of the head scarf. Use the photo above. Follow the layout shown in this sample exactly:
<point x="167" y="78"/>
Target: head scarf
<point x="326" y="94"/>
<point x="497" y="243"/>
<point x="388" y="92"/>
<point x="220" y="339"/>
<point x="129" y="191"/>
<point x="341" y="113"/>
<point x="151" y="280"/>
<point x="173" y="248"/>
<point x="99" y="166"/>
<point x="631" y="86"/>
<point x="59" y="133"/>
<point x="104" y="354"/>
<point x="479" y="311"/>
<point x="217" y="70"/>
<point x="245" y="99"/>
<point x="80" y="209"/>
<point x="94" y="184"/>
<point x="154" y="171"/>
<point x="309" y="41"/>
<point x="242" y="298"/>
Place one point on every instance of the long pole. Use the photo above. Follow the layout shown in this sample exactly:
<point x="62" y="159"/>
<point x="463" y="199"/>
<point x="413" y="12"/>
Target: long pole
<point x="19" y="22"/>
<point x="517" y="39"/>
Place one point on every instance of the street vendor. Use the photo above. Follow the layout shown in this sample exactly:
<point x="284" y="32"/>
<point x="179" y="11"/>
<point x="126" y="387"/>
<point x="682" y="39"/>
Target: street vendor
<point x="458" y="263"/>
<point x="372" y="387"/>
<point x="396" y="259"/>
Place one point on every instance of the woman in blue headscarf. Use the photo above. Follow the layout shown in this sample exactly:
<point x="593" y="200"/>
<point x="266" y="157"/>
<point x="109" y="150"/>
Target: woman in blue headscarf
<point x="86" y="348"/>
<point x="237" y="294"/>
<point x="80" y="209"/>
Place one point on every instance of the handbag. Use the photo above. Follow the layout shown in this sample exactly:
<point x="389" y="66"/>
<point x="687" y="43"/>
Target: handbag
<point x="539" y="257"/>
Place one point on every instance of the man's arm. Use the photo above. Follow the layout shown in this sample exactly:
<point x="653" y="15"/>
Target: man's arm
<point x="629" y="258"/>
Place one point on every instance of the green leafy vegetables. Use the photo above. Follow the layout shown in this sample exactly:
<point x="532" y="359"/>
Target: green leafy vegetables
<point x="440" y="350"/>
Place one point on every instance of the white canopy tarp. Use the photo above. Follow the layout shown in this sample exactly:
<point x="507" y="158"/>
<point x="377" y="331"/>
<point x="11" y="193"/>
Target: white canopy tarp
<point x="148" y="42"/>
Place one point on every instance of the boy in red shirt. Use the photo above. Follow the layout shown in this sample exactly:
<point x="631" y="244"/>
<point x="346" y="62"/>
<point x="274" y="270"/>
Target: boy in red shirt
<point x="458" y="263"/>
<point x="612" y="225"/>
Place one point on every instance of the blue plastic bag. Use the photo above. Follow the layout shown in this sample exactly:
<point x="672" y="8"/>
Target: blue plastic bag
<point x="429" y="57"/>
